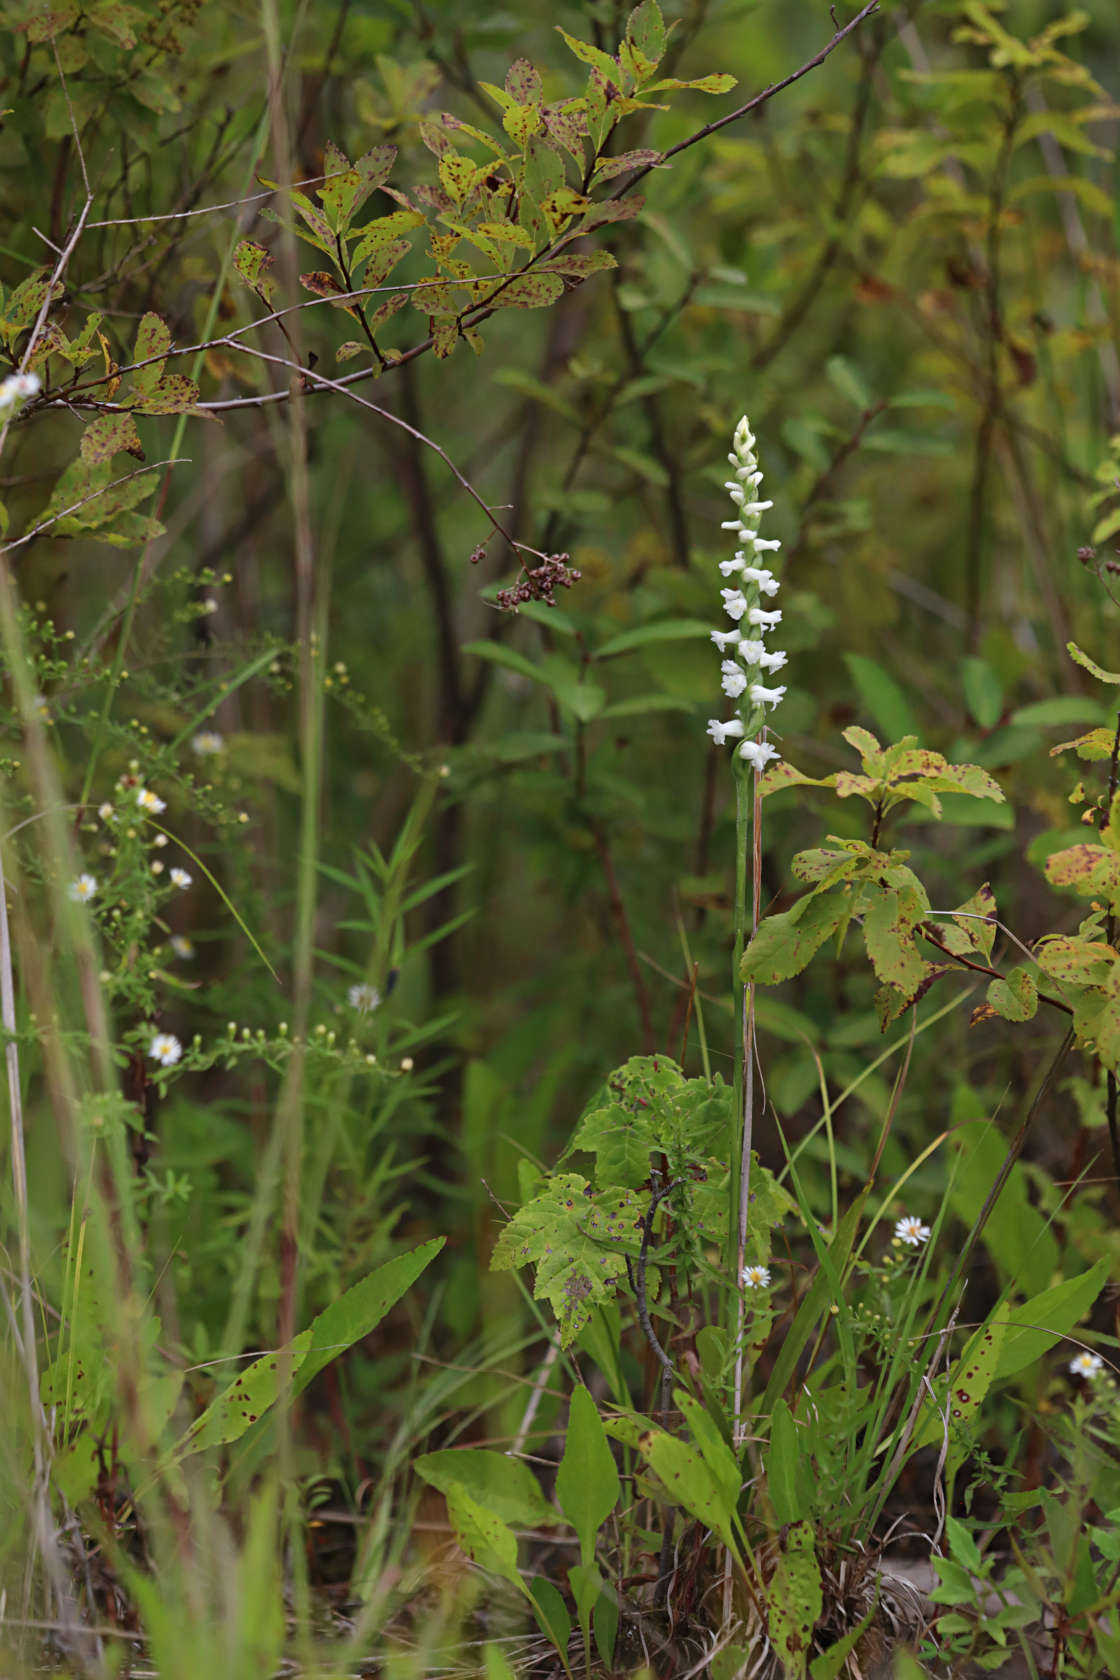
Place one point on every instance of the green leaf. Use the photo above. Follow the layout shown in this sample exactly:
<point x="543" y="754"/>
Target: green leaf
<point x="788" y="1481"/>
<point x="485" y="1539"/>
<point x="785" y="943"/>
<point x="1091" y="871"/>
<point x="969" y="1382"/>
<point x="1096" y="670"/>
<point x="983" y="692"/>
<point x="503" y="1485"/>
<point x="690" y="1484"/>
<point x="1063" y="709"/>
<point x="664" y="630"/>
<point x="153" y="338"/>
<point x="530" y="291"/>
<point x="963" y="1546"/>
<point x="1033" y="1328"/>
<point x="552" y="1612"/>
<point x="498" y="653"/>
<point x="109" y="435"/>
<point x="882" y="696"/>
<point x="591" y="55"/>
<point x="714" y="1450"/>
<point x="1074" y="961"/>
<point x="252" y="262"/>
<point x="795" y="1600"/>
<point x="848" y="381"/>
<point x="587" y="1484"/>
<point x="578" y="1243"/>
<point x="1015" y="997"/>
<point x="175" y="394"/>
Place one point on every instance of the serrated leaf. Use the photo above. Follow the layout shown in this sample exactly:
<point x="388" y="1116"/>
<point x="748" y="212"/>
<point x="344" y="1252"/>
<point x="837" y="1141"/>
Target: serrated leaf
<point x="109" y="435"/>
<point x="1089" y="870"/>
<point x="602" y="61"/>
<point x="153" y="338"/>
<point x="624" y="162"/>
<point x="577" y="1242"/>
<point x="174" y="394"/>
<point x="530" y="291"/>
<point x="1090" y="748"/>
<point x="888" y="930"/>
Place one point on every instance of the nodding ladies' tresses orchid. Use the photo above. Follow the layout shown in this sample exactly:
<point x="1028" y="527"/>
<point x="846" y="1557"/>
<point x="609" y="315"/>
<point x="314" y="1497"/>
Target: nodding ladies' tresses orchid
<point x="743" y="603"/>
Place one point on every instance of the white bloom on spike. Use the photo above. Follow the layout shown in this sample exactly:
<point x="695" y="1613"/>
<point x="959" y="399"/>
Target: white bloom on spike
<point x="765" y="580"/>
<point x="734" y="678"/>
<point x="735" y="604"/>
<point x="721" y="733"/>
<point x="764" y="620"/>
<point x="758" y="753"/>
<point x="770" y="544"/>
<point x="735" y="565"/>
<point x="761" y="696"/>
<point x="752" y="653"/>
<point x="770" y="661"/>
<point x="725" y="638"/>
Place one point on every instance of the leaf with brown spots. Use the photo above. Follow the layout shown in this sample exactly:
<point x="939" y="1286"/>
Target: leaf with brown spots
<point x="109" y="435"/>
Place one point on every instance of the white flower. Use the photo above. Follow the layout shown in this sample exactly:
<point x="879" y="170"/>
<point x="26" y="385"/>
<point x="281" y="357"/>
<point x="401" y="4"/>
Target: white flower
<point x="363" y="998"/>
<point x="165" y="1049"/>
<point x="158" y="867"/>
<point x="743" y="532"/>
<point x="729" y="566"/>
<point x="181" y="878"/>
<point x="758" y="753"/>
<point x="767" y="545"/>
<point x="207" y="742"/>
<point x="18" y="386"/>
<point x="764" y="620"/>
<point x="734" y="678"/>
<point x="765" y="580"/>
<point x="149" y="801"/>
<point x="761" y="696"/>
<point x="105" y="812"/>
<point x="756" y="1277"/>
<point x="723" y="638"/>
<point x="82" y="890"/>
<point x="1087" y="1365"/>
<point x="722" y="732"/>
<point x="735" y="603"/>
<point x="753" y="653"/>
<point x="911" y="1231"/>
<point x="772" y="661"/>
<point x="182" y="947"/>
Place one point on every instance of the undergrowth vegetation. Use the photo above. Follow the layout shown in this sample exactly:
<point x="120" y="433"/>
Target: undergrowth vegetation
<point x="560" y="859"/>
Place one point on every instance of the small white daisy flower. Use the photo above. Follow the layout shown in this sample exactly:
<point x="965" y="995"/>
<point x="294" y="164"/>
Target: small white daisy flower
<point x="158" y="867"/>
<point x="911" y="1231"/>
<point x="82" y="890"/>
<point x="363" y="998"/>
<point x="149" y="801"/>
<point x="105" y="812"/>
<point x="165" y="1049"/>
<point x="758" y="753"/>
<point x="1087" y="1365"/>
<point x="182" y="946"/>
<point x="721" y="733"/>
<point x="756" y="1277"/>
<point x="181" y="878"/>
<point x="207" y="743"/>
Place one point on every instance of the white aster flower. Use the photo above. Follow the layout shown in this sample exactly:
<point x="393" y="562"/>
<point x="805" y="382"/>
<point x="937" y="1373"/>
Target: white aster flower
<point x="105" y="811"/>
<point x="18" y="386"/>
<point x="735" y="603"/>
<point x="158" y="867"/>
<point x="181" y="878"/>
<point x="756" y="1277"/>
<point x="165" y="1049"/>
<point x="762" y="696"/>
<point x="911" y="1231"/>
<point x="758" y="753"/>
<point x="149" y="801"/>
<point x="82" y="890"/>
<point x="182" y="947"/>
<point x="766" y="581"/>
<point x="725" y="638"/>
<point x="1087" y="1365"/>
<point x="764" y="620"/>
<point x="734" y="678"/>
<point x="207" y="743"/>
<point x="363" y="998"/>
<point x="721" y="733"/>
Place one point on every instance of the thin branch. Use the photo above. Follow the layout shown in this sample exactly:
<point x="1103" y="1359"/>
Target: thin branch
<point x="65" y="513"/>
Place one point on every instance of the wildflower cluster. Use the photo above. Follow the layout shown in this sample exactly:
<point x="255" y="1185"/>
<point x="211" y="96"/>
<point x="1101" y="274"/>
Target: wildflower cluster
<point x="743" y="674"/>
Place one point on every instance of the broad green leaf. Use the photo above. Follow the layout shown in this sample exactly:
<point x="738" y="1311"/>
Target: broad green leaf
<point x="788" y="1477"/>
<point x="1033" y="1328"/>
<point x="888" y="930"/>
<point x="969" y="1382"/>
<point x="552" y="1612"/>
<point x="1075" y="962"/>
<point x="153" y="338"/>
<point x="175" y="394"/>
<point x="587" y="1484"/>
<point x="795" y="1600"/>
<point x="983" y="691"/>
<point x="1092" y="871"/>
<point x="848" y="381"/>
<point x="1015" y="997"/>
<point x="1063" y="709"/>
<point x="714" y="1450"/>
<point x="498" y="653"/>
<point x="578" y="1243"/>
<point x="664" y="630"/>
<point x="785" y="943"/>
<point x="574" y="690"/>
<point x="530" y="291"/>
<point x="690" y="1484"/>
<point x="504" y="1485"/>
<point x="109" y="435"/>
<point x="882" y="696"/>
<point x="486" y="1540"/>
